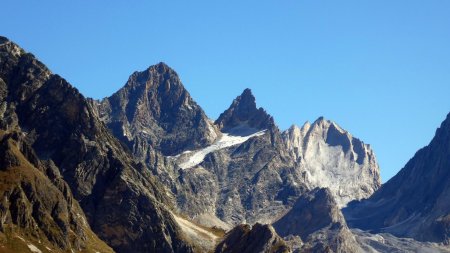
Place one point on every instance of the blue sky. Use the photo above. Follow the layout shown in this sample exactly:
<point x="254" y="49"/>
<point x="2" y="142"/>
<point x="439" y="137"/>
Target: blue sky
<point x="380" y="69"/>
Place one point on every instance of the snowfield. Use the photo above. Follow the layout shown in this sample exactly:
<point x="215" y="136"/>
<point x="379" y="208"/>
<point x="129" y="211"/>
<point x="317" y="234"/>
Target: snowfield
<point x="226" y="140"/>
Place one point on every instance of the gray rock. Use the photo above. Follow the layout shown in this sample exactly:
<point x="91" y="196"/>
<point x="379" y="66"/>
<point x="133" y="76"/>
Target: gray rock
<point x="415" y="202"/>
<point x="316" y="218"/>
<point x="154" y="111"/>
<point x="252" y="181"/>
<point x="331" y="157"/>
<point x="252" y="239"/>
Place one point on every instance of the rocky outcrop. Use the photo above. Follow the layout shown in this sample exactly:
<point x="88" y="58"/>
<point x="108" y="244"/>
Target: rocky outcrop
<point x="154" y="111"/>
<point x="37" y="205"/>
<point x="414" y="203"/>
<point x="252" y="239"/>
<point x="124" y="204"/>
<point x="316" y="218"/>
<point x="329" y="156"/>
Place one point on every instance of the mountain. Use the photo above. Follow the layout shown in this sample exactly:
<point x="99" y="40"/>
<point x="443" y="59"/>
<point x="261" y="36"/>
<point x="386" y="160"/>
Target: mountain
<point x="242" y="158"/>
<point x="252" y="239"/>
<point x="316" y="218"/>
<point x="331" y="157"/>
<point x="246" y="175"/>
<point x="123" y="203"/>
<point x="154" y="111"/>
<point x="145" y="170"/>
<point x="416" y="202"/>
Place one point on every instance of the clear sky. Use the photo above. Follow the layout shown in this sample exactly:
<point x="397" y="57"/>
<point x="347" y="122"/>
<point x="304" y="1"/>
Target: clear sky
<point x="380" y="69"/>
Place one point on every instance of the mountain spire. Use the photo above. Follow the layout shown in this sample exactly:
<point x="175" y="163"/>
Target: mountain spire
<point x="243" y="111"/>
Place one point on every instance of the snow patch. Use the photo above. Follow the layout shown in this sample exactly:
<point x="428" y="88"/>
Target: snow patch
<point x="225" y="141"/>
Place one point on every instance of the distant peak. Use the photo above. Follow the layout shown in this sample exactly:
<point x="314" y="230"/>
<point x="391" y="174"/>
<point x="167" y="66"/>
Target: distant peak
<point x="293" y="127"/>
<point x="3" y="40"/>
<point x="324" y="124"/>
<point x="320" y="119"/>
<point x="247" y="93"/>
<point x="244" y="110"/>
<point x="161" y="67"/>
<point x="306" y="127"/>
<point x="139" y="78"/>
<point x="246" y="99"/>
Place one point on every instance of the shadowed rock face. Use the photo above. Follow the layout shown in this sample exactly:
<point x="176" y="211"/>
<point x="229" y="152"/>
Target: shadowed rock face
<point x="416" y="202"/>
<point x="331" y="157"/>
<point x="243" y="110"/>
<point x="256" y="239"/>
<point x="316" y="218"/>
<point x="154" y="111"/>
<point x="121" y="200"/>
<point x="313" y="211"/>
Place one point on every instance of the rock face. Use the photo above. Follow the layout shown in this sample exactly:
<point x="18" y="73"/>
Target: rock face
<point x="256" y="239"/>
<point x="331" y="157"/>
<point x="154" y="111"/>
<point x="316" y="218"/>
<point x="250" y="181"/>
<point x="122" y="201"/>
<point x="37" y="207"/>
<point x="416" y="202"/>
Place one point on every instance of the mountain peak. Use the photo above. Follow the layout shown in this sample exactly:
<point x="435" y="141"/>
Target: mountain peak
<point x="327" y="150"/>
<point x="161" y="67"/>
<point x="11" y="48"/>
<point x="3" y="40"/>
<point x="243" y="111"/>
<point x="246" y="101"/>
<point x="247" y="93"/>
<point x="155" y="110"/>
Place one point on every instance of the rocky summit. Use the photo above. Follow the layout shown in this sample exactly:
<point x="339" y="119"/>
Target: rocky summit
<point x="154" y="111"/>
<point x="145" y="170"/>
<point x="331" y="157"/>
